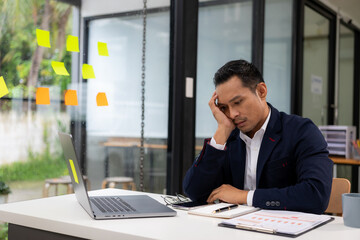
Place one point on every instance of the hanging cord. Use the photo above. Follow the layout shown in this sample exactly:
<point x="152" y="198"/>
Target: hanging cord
<point x="142" y="151"/>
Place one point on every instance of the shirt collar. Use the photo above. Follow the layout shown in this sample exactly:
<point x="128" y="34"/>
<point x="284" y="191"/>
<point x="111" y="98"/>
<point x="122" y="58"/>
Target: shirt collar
<point x="245" y="138"/>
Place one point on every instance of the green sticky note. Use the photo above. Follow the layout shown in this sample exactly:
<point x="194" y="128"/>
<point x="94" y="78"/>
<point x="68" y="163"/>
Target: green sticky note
<point x="59" y="68"/>
<point x="88" y="71"/>
<point x="72" y="44"/>
<point x="3" y="89"/>
<point x="43" y="38"/>
<point x="102" y="48"/>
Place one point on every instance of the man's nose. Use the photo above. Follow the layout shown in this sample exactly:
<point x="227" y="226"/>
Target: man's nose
<point x="233" y="113"/>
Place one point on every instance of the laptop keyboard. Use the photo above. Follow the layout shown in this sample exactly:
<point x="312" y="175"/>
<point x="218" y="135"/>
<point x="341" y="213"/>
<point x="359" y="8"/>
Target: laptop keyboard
<point x="112" y="204"/>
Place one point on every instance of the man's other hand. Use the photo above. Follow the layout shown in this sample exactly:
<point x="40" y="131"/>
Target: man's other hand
<point x="229" y="194"/>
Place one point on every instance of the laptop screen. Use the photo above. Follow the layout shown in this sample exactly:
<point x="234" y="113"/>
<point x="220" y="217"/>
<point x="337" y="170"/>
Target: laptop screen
<point x="74" y="172"/>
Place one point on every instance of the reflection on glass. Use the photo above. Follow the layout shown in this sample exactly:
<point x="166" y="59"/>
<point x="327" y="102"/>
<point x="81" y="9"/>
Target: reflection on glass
<point x="277" y="52"/>
<point x="29" y="147"/>
<point x="113" y="131"/>
<point x="346" y="76"/>
<point x="315" y="67"/>
<point x="224" y="34"/>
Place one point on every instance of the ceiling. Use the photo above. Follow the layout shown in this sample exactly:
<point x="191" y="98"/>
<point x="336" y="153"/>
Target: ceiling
<point x="351" y="8"/>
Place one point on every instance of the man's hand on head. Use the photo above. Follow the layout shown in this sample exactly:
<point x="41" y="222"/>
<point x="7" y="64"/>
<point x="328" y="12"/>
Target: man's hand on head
<point x="225" y="124"/>
<point x="229" y="194"/>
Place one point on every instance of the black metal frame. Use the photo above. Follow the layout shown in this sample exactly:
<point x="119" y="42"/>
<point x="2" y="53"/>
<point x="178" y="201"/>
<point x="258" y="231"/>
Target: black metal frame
<point x="297" y="57"/>
<point x="258" y="27"/>
<point x="76" y="3"/>
<point x="183" y="60"/>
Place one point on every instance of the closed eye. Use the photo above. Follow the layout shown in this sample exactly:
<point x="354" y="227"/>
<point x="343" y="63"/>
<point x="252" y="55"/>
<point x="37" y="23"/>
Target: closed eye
<point x="222" y="108"/>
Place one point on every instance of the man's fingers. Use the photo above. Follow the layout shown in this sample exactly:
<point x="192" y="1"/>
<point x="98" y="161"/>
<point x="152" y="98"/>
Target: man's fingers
<point x="214" y="195"/>
<point x="212" y="99"/>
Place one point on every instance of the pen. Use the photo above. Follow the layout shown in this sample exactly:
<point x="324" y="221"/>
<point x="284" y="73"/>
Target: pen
<point x="223" y="209"/>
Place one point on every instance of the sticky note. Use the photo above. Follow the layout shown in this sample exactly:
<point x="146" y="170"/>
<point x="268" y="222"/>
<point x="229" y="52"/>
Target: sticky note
<point x="72" y="44"/>
<point x="88" y="71"/>
<point x="3" y="89"/>
<point x="71" y="98"/>
<point x="73" y="170"/>
<point x="59" y="68"/>
<point x="43" y="38"/>
<point x="42" y="96"/>
<point x="101" y="99"/>
<point x="102" y="49"/>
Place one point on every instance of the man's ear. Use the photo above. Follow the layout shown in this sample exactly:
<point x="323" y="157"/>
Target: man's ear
<point x="261" y="90"/>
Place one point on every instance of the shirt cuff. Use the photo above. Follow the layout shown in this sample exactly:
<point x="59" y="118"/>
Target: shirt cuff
<point x="217" y="146"/>
<point x="250" y="197"/>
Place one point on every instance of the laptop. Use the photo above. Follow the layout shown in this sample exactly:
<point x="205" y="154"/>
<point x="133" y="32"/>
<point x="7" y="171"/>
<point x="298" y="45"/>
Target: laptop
<point x="109" y="207"/>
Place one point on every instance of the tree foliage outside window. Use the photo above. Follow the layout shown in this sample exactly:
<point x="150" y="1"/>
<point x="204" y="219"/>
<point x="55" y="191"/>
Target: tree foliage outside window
<point x="23" y="64"/>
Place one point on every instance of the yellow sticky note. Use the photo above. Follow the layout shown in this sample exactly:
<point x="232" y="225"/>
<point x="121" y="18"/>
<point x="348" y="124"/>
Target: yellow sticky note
<point x="88" y="71"/>
<point x="73" y="170"/>
<point x="59" y="68"/>
<point x="101" y="99"/>
<point x="3" y="89"/>
<point x="42" y="96"/>
<point x="43" y="38"/>
<point x="72" y="44"/>
<point x="71" y="98"/>
<point x="102" y="49"/>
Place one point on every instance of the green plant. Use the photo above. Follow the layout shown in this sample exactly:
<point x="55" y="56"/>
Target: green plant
<point x="4" y="188"/>
<point x="4" y="231"/>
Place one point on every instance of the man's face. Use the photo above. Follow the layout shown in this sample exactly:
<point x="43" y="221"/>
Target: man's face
<point x="248" y="110"/>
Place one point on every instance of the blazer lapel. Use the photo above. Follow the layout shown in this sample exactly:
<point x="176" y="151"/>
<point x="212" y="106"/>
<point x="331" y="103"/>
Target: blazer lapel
<point x="271" y="138"/>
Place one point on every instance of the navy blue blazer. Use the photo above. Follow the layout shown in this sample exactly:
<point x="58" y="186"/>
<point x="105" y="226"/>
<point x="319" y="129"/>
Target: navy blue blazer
<point x="293" y="172"/>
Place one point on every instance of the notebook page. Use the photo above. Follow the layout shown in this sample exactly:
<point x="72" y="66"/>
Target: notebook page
<point x="209" y="209"/>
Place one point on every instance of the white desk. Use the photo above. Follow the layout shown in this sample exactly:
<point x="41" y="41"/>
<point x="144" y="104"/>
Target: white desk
<point x="63" y="215"/>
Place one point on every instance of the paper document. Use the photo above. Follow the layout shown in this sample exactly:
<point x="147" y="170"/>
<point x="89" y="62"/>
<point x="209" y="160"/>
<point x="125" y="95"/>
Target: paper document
<point x="208" y="210"/>
<point x="277" y="222"/>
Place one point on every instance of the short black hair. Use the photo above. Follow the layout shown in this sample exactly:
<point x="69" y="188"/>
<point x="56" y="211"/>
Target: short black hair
<point x="245" y="71"/>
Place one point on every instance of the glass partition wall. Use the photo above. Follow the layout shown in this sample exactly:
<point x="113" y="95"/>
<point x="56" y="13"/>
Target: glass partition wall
<point x="315" y="67"/>
<point x="346" y="76"/>
<point x="224" y="34"/>
<point x="30" y="151"/>
<point x="225" y="31"/>
<point x="113" y="132"/>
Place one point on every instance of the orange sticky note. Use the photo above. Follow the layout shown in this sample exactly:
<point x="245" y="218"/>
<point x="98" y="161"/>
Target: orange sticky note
<point x="88" y="71"/>
<point x="101" y="99"/>
<point x="59" y="68"/>
<point x="43" y="38"/>
<point x="42" y="96"/>
<point x="102" y="49"/>
<point x="71" y="98"/>
<point x="72" y="44"/>
<point x="3" y="89"/>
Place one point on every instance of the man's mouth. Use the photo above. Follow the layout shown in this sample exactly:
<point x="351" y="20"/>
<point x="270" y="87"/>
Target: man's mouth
<point x="240" y="123"/>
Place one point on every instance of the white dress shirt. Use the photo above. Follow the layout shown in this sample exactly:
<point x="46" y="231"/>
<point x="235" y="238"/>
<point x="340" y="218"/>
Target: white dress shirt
<point x="252" y="153"/>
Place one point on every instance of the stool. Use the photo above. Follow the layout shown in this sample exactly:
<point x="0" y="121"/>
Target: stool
<point x="126" y="182"/>
<point x="64" y="180"/>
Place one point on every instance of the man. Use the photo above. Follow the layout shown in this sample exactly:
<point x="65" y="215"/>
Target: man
<point x="259" y="156"/>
